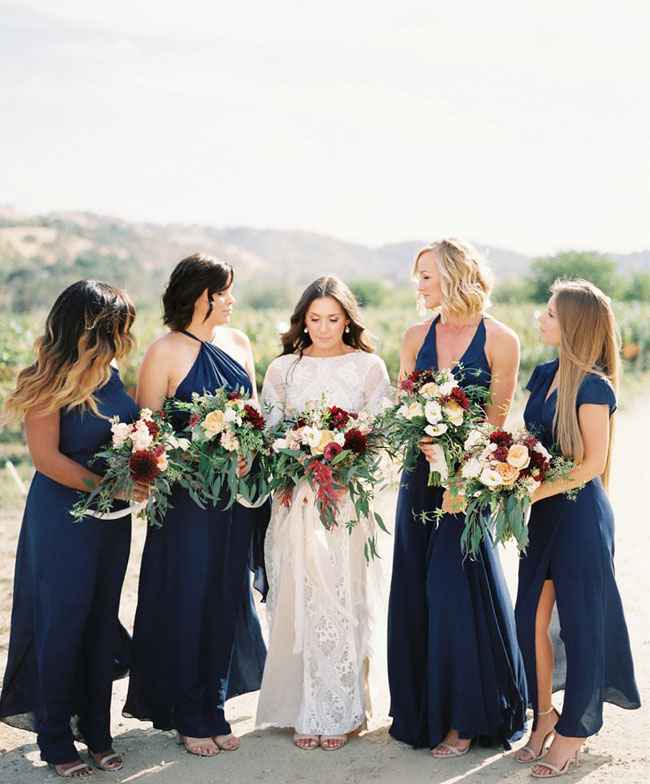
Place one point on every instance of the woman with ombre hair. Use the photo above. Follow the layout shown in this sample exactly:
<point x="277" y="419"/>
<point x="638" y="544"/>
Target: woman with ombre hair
<point x="64" y="625"/>
<point x="454" y="667"/>
<point x="569" y="561"/>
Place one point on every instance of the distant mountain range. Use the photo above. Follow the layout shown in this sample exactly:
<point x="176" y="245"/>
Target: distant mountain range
<point x="68" y="238"/>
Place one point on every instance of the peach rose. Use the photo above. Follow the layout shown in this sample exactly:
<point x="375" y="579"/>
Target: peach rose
<point x="508" y="473"/>
<point x="214" y="423"/>
<point x="454" y="412"/>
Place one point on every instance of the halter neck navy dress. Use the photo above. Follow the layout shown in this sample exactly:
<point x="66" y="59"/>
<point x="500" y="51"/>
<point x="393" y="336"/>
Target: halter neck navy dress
<point x="197" y="639"/>
<point x="453" y="659"/>
<point x="572" y="543"/>
<point x="65" y="633"/>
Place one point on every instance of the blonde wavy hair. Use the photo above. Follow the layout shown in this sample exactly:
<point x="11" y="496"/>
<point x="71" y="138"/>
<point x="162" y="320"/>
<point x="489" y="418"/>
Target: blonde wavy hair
<point x="589" y="343"/>
<point x="89" y="325"/>
<point x="465" y="278"/>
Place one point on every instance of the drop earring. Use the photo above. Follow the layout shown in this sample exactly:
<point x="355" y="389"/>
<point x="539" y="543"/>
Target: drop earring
<point x="305" y="330"/>
<point x="347" y="328"/>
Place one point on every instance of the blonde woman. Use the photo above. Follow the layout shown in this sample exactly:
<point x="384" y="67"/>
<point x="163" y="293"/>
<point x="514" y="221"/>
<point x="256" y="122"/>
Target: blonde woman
<point x="454" y="668"/>
<point x="64" y="624"/>
<point x="569" y="561"/>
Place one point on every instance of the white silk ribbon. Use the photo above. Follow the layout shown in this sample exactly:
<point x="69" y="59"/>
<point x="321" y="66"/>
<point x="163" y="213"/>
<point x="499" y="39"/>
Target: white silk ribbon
<point x="131" y="509"/>
<point x="438" y="463"/>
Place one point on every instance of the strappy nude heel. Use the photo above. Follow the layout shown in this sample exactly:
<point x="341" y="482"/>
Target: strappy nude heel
<point x="542" y="750"/>
<point x="574" y="758"/>
<point x="193" y="748"/>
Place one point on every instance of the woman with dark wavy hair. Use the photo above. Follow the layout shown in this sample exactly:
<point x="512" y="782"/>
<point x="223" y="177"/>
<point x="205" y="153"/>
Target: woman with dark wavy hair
<point x="197" y="639"/>
<point x="64" y="624"/>
<point x="319" y="604"/>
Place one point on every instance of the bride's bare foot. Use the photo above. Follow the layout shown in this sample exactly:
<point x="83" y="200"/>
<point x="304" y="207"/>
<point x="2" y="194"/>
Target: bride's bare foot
<point x="536" y="742"/>
<point x="562" y="752"/>
<point x="451" y="741"/>
<point x="332" y="742"/>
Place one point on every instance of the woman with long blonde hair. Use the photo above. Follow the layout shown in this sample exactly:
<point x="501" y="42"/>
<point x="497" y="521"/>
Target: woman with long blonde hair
<point x="454" y="667"/>
<point x="569" y="560"/>
<point x="64" y="625"/>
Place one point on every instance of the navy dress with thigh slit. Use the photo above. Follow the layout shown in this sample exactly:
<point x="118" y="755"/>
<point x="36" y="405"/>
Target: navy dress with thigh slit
<point x="65" y="635"/>
<point x="572" y="543"/>
<point x="197" y="639"/>
<point x="453" y="658"/>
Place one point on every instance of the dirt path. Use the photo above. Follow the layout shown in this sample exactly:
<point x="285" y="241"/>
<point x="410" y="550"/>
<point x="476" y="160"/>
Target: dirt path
<point x="620" y="753"/>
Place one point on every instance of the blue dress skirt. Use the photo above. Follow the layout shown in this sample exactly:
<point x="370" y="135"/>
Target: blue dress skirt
<point x="453" y="658"/>
<point x="197" y="639"/>
<point x="65" y="638"/>
<point x="572" y="543"/>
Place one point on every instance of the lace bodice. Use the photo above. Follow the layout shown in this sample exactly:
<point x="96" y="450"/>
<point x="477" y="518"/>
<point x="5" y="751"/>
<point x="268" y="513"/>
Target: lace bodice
<point x="351" y="381"/>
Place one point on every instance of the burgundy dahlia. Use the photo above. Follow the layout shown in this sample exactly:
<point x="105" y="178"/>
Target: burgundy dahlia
<point x="501" y="453"/>
<point x="355" y="441"/>
<point x="331" y="450"/>
<point x="254" y="417"/>
<point x="143" y="466"/>
<point x="460" y="397"/>
<point x="501" y="437"/>
<point x="339" y="417"/>
<point x="152" y="427"/>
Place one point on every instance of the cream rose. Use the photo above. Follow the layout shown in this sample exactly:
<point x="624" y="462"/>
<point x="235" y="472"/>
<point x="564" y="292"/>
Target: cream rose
<point x="414" y="410"/>
<point x="279" y="443"/>
<point x="325" y="437"/>
<point x="471" y="468"/>
<point x="518" y="456"/>
<point x="508" y="473"/>
<point x="213" y="423"/>
<point x="162" y="462"/>
<point x="121" y="431"/>
<point x="472" y="439"/>
<point x="429" y="390"/>
<point x="454" y="412"/>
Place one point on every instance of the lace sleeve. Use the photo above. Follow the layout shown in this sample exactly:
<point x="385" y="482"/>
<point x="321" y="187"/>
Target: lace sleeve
<point x="273" y="394"/>
<point x="377" y="392"/>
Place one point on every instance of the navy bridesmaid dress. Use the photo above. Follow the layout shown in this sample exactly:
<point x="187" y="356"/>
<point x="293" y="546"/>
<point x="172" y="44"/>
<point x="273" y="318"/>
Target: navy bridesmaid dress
<point x="453" y="659"/>
<point x="197" y="639"/>
<point x="572" y="543"/>
<point x="65" y="634"/>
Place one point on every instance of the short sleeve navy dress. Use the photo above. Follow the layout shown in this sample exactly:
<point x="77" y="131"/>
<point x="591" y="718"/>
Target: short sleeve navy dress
<point x="572" y="543"/>
<point x="453" y="659"/>
<point x="64" y="624"/>
<point x="197" y="639"/>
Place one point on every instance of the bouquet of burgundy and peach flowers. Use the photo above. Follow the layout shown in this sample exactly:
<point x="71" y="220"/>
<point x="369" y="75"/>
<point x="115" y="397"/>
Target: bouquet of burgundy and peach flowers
<point x="145" y="452"/>
<point x="223" y="426"/>
<point x="500" y="472"/>
<point x="335" y="451"/>
<point x="431" y="406"/>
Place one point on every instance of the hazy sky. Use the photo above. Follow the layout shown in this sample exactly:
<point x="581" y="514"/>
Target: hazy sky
<point x="521" y="124"/>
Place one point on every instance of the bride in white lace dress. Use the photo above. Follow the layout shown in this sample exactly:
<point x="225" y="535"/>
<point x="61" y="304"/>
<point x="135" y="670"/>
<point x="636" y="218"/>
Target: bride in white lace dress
<point x="319" y="605"/>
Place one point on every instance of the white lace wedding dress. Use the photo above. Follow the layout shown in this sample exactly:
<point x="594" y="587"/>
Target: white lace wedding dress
<point x="319" y="603"/>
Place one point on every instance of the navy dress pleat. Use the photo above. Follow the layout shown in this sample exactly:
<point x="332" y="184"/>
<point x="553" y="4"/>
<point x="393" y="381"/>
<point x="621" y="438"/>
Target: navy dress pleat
<point x="453" y="658"/>
<point x="572" y="543"/>
<point x="197" y="639"/>
<point x="65" y="635"/>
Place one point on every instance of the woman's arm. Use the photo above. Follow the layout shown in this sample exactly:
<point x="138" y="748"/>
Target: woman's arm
<point x="593" y="420"/>
<point x="43" y="444"/>
<point x="503" y="352"/>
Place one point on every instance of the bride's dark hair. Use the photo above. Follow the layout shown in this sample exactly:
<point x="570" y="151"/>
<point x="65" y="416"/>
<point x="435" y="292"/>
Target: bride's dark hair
<point x="295" y="340"/>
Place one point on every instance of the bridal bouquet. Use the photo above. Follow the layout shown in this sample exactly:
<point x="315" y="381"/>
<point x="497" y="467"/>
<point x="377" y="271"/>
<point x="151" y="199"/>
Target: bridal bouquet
<point x="336" y="451"/>
<point x="432" y="406"/>
<point x="145" y="452"/>
<point x="500" y="473"/>
<point x="221" y="427"/>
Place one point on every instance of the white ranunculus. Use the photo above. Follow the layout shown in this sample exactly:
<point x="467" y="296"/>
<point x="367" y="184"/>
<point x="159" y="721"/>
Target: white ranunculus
<point x="436" y="430"/>
<point x="232" y="415"/>
<point x="448" y="385"/>
<point x="432" y="412"/>
<point x="490" y="478"/>
<point x="472" y="439"/>
<point x="530" y="484"/>
<point x="471" y="468"/>
<point x="414" y="410"/>
<point x="310" y="435"/>
<point x="178" y="443"/>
